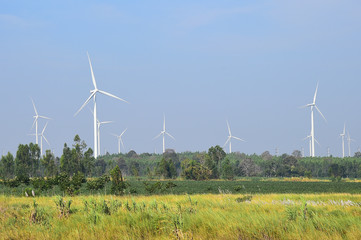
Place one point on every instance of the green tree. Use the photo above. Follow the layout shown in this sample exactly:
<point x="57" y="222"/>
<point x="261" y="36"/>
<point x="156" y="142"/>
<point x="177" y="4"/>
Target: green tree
<point x="7" y="166"/>
<point x="48" y="163"/>
<point x="166" y="168"/>
<point x="88" y="163"/>
<point x="227" y="170"/>
<point x="34" y="159"/>
<point x="23" y="163"/>
<point x="215" y="156"/>
<point x="193" y="170"/>
<point x="66" y="165"/>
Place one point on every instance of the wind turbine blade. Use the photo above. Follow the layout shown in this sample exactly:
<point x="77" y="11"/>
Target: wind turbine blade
<point x="314" y="97"/>
<point x="85" y="103"/>
<point x="36" y="112"/>
<point x="45" y="117"/>
<point x="33" y="123"/>
<point x="229" y="129"/>
<point x="238" y="138"/>
<point x="158" y="135"/>
<point x="304" y="106"/>
<point x="115" y="135"/>
<point x="320" y="113"/>
<point x="42" y="132"/>
<point x="106" y="122"/>
<point x="317" y="142"/>
<point x="169" y="135"/>
<point x="123" y="132"/>
<point x="228" y="139"/>
<point x="344" y="129"/>
<point x="91" y="70"/>
<point x="46" y="140"/>
<point x="306" y="138"/>
<point x="111" y="95"/>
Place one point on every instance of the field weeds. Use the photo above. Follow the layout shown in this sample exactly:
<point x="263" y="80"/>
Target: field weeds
<point x="221" y="216"/>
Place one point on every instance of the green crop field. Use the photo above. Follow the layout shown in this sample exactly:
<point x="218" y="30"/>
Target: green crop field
<point x="207" y="216"/>
<point x="244" y="186"/>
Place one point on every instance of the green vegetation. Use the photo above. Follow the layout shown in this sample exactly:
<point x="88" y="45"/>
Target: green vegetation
<point x="222" y="216"/>
<point x="214" y="164"/>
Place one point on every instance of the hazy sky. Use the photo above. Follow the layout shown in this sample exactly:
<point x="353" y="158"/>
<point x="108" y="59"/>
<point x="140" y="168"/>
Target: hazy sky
<point x="198" y="62"/>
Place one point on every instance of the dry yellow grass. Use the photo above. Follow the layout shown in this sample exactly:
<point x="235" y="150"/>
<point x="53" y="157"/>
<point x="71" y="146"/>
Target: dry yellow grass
<point x="223" y="216"/>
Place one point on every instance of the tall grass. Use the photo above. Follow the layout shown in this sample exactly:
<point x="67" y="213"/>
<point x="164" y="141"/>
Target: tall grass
<point x="221" y="216"/>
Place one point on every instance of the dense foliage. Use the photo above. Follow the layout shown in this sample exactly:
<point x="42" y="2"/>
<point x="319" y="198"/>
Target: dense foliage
<point x="214" y="164"/>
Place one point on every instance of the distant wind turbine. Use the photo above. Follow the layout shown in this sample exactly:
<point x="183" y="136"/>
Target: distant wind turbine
<point x="310" y="143"/>
<point x="342" y="135"/>
<point x="313" y="105"/>
<point x="120" y="140"/>
<point x="98" y="126"/>
<point x="349" y="139"/>
<point x="230" y="137"/>
<point x="41" y="139"/>
<point x="36" y="118"/>
<point x="93" y="94"/>
<point x="163" y="132"/>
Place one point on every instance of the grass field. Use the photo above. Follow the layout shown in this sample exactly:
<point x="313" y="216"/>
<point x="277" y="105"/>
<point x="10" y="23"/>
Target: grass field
<point x="208" y="216"/>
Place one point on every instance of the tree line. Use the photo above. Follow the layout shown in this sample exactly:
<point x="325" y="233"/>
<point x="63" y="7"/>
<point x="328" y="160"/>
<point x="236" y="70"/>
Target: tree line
<point x="213" y="164"/>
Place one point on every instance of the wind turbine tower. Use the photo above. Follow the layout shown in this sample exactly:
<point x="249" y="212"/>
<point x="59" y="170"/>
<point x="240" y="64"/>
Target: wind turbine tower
<point x="163" y="132"/>
<point x="342" y="135"/>
<point x="349" y="139"/>
<point x="41" y="139"/>
<point x="230" y="138"/>
<point x="312" y="106"/>
<point x="98" y="133"/>
<point x="93" y="94"/>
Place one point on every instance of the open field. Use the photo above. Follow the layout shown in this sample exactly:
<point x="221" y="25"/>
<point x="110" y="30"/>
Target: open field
<point x="242" y="186"/>
<point x="208" y="216"/>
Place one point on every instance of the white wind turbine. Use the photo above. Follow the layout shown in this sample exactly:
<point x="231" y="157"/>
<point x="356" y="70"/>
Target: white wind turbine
<point x="313" y="105"/>
<point x="349" y="139"/>
<point x="93" y="94"/>
<point x="36" y="117"/>
<point x="230" y="137"/>
<point x="41" y="139"/>
<point x="163" y="132"/>
<point x="120" y="140"/>
<point x="310" y="143"/>
<point x="342" y="135"/>
<point x="98" y="133"/>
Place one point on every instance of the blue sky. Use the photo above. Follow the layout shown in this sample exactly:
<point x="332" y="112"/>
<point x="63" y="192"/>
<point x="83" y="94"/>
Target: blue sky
<point x="199" y="62"/>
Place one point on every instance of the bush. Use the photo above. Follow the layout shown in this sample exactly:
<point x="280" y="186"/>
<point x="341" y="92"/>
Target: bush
<point x="98" y="183"/>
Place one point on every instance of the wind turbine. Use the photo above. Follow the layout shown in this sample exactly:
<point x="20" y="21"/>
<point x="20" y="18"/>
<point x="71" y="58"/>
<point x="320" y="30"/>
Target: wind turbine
<point x="342" y="135"/>
<point x="230" y="137"/>
<point x="41" y="139"/>
<point x="98" y="126"/>
<point x="36" y="117"/>
<point x="313" y="105"/>
<point x="310" y="143"/>
<point x="349" y="139"/>
<point x="120" y="140"/>
<point x="163" y="132"/>
<point x="93" y="94"/>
